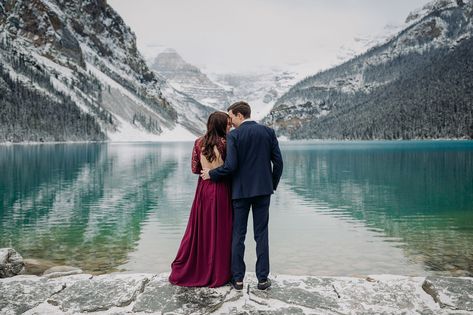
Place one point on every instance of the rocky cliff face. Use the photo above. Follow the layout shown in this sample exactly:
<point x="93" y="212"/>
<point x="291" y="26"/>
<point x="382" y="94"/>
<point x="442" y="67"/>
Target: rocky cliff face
<point x="188" y="79"/>
<point x="82" y="51"/>
<point x="416" y="85"/>
<point x="260" y="90"/>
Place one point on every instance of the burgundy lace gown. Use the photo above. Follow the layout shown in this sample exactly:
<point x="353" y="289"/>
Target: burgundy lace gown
<point x="204" y="256"/>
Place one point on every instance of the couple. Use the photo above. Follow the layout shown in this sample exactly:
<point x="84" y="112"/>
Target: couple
<point x="235" y="174"/>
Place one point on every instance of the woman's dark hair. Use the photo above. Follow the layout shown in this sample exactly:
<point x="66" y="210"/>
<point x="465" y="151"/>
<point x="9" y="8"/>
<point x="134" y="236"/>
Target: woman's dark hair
<point x="242" y="108"/>
<point x="216" y="129"/>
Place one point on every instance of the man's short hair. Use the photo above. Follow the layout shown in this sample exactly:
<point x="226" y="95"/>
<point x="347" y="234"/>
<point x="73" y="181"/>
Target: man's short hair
<point x="242" y="108"/>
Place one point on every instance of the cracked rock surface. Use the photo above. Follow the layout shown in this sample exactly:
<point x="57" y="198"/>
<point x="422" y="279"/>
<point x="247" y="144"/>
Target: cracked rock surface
<point x="160" y="296"/>
<point x="121" y="293"/>
<point x="100" y="293"/>
<point x="21" y="293"/>
<point x="451" y="293"/>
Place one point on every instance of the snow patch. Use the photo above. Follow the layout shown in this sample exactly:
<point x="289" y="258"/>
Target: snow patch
<point x="126" y="132"/>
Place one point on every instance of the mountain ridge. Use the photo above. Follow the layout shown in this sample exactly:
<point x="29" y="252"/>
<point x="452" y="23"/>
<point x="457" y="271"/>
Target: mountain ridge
<point x="314" y="107"/>
<point x="87" y="53"/>
<point x="190" y="80"/>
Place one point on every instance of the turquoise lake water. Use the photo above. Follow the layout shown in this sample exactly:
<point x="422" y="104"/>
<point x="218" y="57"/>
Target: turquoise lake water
<point x="342" y="208"/>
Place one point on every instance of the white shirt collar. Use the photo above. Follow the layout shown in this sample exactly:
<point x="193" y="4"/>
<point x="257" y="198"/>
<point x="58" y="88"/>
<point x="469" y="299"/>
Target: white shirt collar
<point x="247" y="119"/>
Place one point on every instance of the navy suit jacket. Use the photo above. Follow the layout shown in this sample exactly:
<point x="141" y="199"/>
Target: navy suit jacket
<point x="251" y="148"/>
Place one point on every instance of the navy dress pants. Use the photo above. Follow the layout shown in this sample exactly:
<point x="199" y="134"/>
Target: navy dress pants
<point x="241" y="210"/>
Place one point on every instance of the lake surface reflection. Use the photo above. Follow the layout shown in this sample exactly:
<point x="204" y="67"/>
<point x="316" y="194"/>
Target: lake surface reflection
<point x="343" y="208"/>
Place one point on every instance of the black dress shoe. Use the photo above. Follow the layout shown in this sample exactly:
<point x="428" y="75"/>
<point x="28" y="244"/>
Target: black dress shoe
<point x="237" y="285"/>
<point x="263" y="285"/>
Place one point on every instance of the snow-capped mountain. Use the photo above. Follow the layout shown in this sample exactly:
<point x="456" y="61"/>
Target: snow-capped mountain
<point x="415" y="85"/>
<point x="190" y="80"/>
<point x="432" y="7"/>
<point x="361" y="43"/>
<point x="219" y="90"/>
<point x="260" y="90"/>
<point x="82" y="54"/>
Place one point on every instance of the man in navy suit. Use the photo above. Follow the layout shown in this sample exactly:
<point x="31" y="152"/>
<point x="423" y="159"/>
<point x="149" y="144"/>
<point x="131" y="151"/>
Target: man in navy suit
<point x="251" y="149"/>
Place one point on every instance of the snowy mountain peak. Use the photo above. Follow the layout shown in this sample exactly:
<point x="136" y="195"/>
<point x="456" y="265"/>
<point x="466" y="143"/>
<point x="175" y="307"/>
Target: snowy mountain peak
<point x="362" y="43"/>
<point x="170" y="61"/>
<point x="431" y="7"/>
<point x="83" y="51"/>
<point x="188" y="79"/>
<point x="170" y="51"/>
<point x="423" y="71"/>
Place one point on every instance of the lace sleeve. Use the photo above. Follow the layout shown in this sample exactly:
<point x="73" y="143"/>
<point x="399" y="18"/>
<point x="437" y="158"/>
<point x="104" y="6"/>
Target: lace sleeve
<point x="196" y="166"/>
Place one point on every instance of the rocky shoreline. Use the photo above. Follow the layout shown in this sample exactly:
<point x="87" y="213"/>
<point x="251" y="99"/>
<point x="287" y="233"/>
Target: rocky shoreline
<point x="67" y="290"/>
<point x="122" y="293"/>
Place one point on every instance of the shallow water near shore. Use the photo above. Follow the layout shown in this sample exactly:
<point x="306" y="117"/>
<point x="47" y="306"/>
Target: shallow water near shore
<point x="342" y="208"/>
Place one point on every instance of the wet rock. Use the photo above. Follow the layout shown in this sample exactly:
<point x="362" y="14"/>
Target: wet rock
<point x="100" y="293"/>
<point x="37" y="266"/>
<point x="179" y="299"/>
<point x="11" y="263"/>
<point x="61" y="271"/>
<point x="451" y="293"/>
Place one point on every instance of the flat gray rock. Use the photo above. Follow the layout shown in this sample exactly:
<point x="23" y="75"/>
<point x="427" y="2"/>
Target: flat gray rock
<point x="61" y="271"/>
<point x="309" y="292"/>
<point x="384" y="294"/>
<point x="339" y="295"/>
<point x="179" y="299"/>
<point x="147" y="293"/>
<point x="21" y="293"/>
<point x="451" y="293"/>
<point x="11" y="263"/>
<point x="100" y="293"/>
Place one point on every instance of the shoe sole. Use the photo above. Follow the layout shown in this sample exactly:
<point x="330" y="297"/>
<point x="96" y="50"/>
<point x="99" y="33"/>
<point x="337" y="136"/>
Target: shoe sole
<point x="262" y="288"/>
<point x="238" y="288"/>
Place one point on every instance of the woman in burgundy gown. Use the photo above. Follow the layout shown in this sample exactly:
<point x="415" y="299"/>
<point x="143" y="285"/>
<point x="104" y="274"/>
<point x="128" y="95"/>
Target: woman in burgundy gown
<point x="204" y="256"/>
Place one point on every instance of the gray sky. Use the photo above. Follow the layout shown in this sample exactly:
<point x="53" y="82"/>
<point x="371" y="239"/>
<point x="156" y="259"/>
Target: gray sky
<point x="245" y="35"/>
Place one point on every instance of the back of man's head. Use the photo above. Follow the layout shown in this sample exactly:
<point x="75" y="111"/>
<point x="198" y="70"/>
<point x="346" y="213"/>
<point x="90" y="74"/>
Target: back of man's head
<point x="242" y="108"/>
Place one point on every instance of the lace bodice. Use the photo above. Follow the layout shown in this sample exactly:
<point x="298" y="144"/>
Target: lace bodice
<point x="197" y="151"/>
